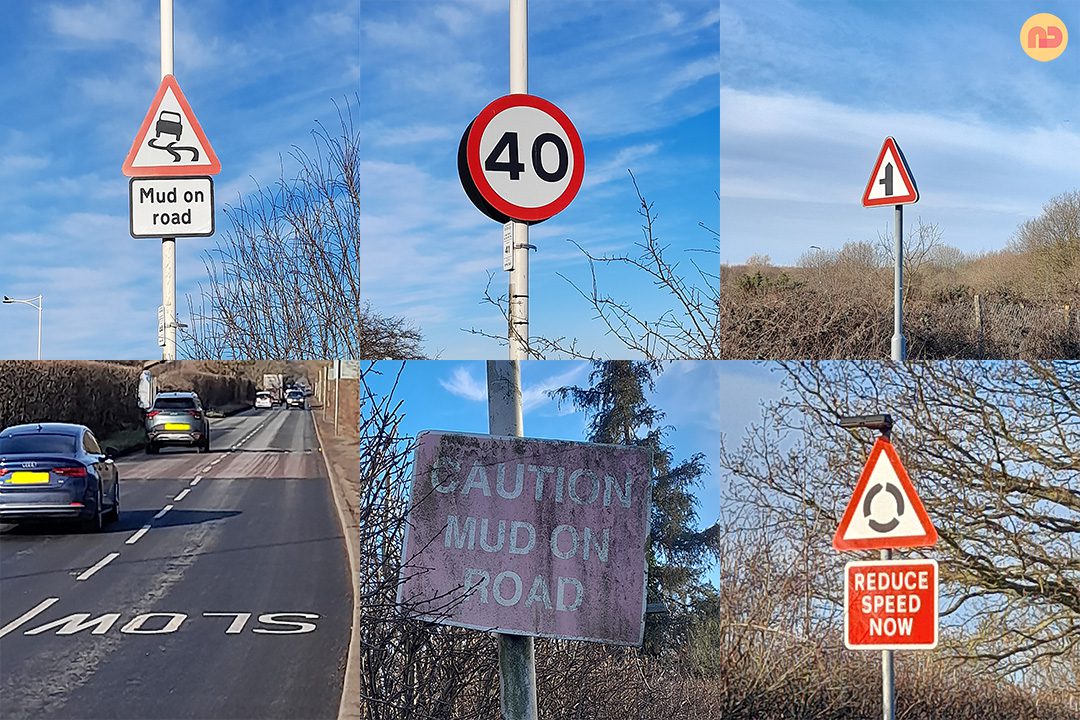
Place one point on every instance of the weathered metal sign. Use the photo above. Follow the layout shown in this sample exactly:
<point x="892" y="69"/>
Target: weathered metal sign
<point x="526" y="536"/>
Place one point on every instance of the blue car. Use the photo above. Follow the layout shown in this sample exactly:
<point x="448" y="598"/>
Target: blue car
<point x="56" y="471"/>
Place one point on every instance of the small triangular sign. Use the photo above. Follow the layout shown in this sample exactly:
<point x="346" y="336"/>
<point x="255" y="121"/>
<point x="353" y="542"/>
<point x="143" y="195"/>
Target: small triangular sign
<point x="885" y="511"/>
<point x="170" y="142"/>
<point x="891" y="182"/>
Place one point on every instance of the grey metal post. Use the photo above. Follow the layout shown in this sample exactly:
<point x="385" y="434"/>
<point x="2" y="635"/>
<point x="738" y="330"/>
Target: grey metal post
<point x="518" y="301"/>
<point x="888" y="671"/>
<point x="899" y="344"/>
<point x="517" y="663"/>
<point x="168" y="245"/>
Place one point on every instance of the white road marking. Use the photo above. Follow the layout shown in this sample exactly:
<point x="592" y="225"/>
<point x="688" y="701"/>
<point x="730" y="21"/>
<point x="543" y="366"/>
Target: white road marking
<point x="196" y="480"/>
<point x="138" y="534"/>
<point x="27" y="617"/>
<point x="182" y="495"/>
<point x="207" y="468"/>
<point x="101" y="563"/>
<point x="162" y="511"/>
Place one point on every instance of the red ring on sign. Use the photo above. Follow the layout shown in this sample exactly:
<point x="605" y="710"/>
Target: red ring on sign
<point x="476" y="171"/>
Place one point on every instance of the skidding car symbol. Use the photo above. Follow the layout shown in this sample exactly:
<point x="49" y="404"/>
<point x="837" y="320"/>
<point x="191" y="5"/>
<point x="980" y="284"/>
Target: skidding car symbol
<point x="168" y="123"/>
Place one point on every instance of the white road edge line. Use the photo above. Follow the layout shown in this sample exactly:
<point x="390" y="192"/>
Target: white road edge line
<point x="138" y="534"/>
<point x="196" y="480"/>
<point x="208" y="468"/>
<point x="183" y="494"/>
<point x="162" y="511"/>
<point x="101" y="563"/>
<point x="27" y="617"/>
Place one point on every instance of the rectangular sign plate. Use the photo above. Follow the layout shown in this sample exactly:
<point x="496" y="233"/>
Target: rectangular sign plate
<point x="891" y="605"/>
<point x="171" y="207"/>
<point x="508" y="246"/>
<point x="533" y="537"/>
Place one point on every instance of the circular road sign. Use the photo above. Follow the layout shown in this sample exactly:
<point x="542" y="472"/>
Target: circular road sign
<point x="521" y="159"/>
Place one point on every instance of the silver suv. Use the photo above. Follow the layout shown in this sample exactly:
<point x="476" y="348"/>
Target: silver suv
<point x="177" y="418"/>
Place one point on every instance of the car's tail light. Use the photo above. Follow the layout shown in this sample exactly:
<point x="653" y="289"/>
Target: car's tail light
<point x="4" y="471"/>
<point x="153" y="413"/>
<point x="193" y="413"/>
<point x="74" y="472"/>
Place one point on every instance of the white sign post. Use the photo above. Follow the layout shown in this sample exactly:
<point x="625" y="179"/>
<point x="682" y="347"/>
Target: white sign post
<point x="170" y="143"/>
<point x="891" y="183"/>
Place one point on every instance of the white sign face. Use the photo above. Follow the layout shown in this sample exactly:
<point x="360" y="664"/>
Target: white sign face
<point x="160" y="330"/>
<point x="170" y="141"/>
<point x="891" y="182"/>
<point x="522" y="159"/>
<point x="508" y="246"/>
<point x="171" y="207"/>
<point x="885" y="511"/>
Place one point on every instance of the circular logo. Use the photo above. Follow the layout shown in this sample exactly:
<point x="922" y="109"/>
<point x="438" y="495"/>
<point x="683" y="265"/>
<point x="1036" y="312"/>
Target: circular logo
<point x="521" y="159"/>
<point x="1044" y="37"/>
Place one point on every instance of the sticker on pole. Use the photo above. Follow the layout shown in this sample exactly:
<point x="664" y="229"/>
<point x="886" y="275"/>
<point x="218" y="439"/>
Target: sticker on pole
<point x="170" y="142"/>
<point x="891" y="182"/>
<point x="891" y="605"/>
<point x="885" y="511"/>
<point x="526" y="536"/>
<point x="521" y="159"/>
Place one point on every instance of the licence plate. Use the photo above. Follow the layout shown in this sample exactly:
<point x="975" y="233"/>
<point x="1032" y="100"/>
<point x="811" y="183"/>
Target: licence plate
<point x="177" y="426"/>
<point x="29" y="478"/>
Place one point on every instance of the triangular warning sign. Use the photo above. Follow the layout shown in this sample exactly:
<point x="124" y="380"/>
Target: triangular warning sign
<point x="170" y="142"/>
<point x="885" y="511"/>
<point x="891" y="182"/>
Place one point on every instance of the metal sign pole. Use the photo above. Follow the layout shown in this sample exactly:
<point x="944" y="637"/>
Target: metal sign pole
<point x="518" y="300"/>
<point x="517" y="663"/>
<point x="168" y="245"/>
<point x="899" y="344"/>
<point x="888" y="671"/>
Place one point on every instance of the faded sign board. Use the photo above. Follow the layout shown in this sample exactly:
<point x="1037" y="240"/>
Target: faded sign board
<point x="527" y="536"/>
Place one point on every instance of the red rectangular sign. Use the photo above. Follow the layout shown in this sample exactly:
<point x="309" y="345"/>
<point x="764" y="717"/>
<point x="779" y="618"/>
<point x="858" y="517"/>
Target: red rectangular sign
<point x="891" y="605"/>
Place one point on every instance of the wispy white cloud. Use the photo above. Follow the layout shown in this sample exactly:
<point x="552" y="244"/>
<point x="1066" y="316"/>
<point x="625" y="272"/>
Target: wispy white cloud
<point x="463" y="384"/>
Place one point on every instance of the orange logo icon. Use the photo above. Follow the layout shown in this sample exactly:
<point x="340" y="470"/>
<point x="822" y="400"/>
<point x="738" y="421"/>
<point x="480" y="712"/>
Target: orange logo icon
<point x="1044" y="37"/>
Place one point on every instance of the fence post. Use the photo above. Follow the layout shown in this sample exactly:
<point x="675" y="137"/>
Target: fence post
<point x="978" y="327"/>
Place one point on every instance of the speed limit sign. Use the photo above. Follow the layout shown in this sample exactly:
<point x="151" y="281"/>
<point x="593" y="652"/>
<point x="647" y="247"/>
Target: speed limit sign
<point x="521" y="159"/>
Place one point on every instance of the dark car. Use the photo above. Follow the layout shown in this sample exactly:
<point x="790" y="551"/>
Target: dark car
<point x="294" y="399"/>
<point x="57" y="470"/>
<point x="177" y="418"/>
<point x="168" y="123"/>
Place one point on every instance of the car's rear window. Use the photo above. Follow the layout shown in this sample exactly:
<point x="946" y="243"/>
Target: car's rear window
<point x="295" y="393"/>
<point x="37" y="443"/>
<point x="174" y="403"/>
<point x="262" y="394"/>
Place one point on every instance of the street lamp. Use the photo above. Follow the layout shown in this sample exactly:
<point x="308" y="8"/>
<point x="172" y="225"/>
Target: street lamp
<point x="31" y="303"/>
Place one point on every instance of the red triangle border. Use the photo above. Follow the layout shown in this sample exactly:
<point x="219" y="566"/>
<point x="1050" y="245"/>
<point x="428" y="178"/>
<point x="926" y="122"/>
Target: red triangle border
<point x="929" y="536"/>
<point x="172" y="169"/>
<point x="905" y="175"/>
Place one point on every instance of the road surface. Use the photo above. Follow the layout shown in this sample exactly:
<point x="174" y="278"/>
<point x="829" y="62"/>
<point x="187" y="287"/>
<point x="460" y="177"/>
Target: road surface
<point x="235" y="603"/>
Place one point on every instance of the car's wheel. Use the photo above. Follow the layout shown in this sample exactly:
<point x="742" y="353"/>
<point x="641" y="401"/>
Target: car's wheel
<point x="97" y="521"/>
<point x="114" y="513"/>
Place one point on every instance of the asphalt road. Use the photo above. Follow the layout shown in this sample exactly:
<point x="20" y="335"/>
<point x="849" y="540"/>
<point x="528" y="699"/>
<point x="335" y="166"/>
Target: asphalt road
<point x="235" y="603"/>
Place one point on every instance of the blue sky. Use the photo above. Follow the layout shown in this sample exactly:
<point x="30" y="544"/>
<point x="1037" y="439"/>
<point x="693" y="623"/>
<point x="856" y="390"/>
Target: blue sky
<point x="78" y="79"/>
<point x="810" y="88"/>
<point x="452" y="395"/>
<point x="639" y="79"/>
